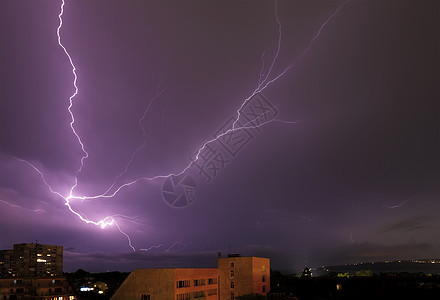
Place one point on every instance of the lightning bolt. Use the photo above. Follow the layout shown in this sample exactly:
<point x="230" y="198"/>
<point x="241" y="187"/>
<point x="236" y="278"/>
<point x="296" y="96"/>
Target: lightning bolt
<point x="176" y="247"/>
<point x="20" y="207"/>
<point x="263" y="82"/>
<point x="350" y="236"/>
<point x="71" y="98"/>
<point x="396" y="206"/>
<point x="159" y="92"/>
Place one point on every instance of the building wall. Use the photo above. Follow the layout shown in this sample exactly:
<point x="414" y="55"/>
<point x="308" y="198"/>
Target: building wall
<point x="260" y="269"/>
<point x="240" y="276"/>
<point x="209" y="284"/>
<point x="202" y="284"/>
<point x="5" y="263"/>
<point x="35" y="288"/>
<point x="157" y="283"/>
<point x="172" y="284"/>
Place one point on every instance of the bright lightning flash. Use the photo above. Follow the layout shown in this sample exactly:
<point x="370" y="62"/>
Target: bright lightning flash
<point x="263" y="82"/>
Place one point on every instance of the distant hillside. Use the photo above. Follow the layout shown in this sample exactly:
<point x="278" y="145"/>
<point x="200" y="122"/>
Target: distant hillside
<point x="427" y="266"/>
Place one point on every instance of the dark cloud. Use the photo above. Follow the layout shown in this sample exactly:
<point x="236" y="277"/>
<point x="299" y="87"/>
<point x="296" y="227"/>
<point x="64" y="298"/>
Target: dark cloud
<point x="414" y="223"/>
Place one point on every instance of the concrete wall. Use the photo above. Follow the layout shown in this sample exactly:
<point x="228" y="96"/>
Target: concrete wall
<point x="200" y="275"/>
<point x="247" y="278"/>
<point x="162" y="284"/>
<point x="158" y="283"/>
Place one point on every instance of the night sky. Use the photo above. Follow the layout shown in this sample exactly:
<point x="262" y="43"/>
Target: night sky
<point x="353" y="175"/>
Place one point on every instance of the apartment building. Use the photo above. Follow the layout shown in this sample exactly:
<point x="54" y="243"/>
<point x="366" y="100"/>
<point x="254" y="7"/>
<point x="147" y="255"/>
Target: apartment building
<point x="235" y="276"/>
<point x="32" y="260"/>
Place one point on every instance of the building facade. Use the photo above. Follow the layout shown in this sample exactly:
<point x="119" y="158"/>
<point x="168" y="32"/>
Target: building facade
<point x="179" y="284"/>
<point x="235" y="276"/>
<point x="32" y="260"/>
<point x="5" y="263"/>
<point x="35" y="288"/>
<point x="243" y="276"/>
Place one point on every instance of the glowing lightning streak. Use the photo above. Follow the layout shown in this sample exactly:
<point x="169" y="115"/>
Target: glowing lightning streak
<point x="109" y="220"/>
<point x="260" y="88"/>
<point x="72" y="117"/>
<point x="126" y="235"/>
<point x="20" y="207"/>
<point x="197" y="156"/>
<point x="264" y="84"/>
<point x="144" y="137"/>
<point x="181" y="247"/>
<point x="396" y="206"/>
<point x="275" y="58"/>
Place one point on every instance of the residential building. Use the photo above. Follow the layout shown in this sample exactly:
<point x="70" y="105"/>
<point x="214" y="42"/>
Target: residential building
<point x="32" y="260"/>
<point x="175" y="284"/>
<point x="243" y="276"/>
<point x="5" y="263"/>
<point x="35" y="288"/>
<point x="235" y="276"/>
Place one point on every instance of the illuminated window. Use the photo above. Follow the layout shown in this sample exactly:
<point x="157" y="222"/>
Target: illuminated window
<point x="39" y="254"/>
<point x="263" y="268"/>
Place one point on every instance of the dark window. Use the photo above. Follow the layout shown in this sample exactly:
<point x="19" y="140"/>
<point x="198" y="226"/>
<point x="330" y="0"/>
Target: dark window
<point x="145" y="297"/>
<point x="212" y="281"/>
<point x="232" y="296"/>
<point x="263" y="279"/>
<point x="183" y="283"/>
<point x="232" y="285"/>
<point x="199" y="282"/>
<point x="264" y="289"/>
<point x="199" y="294"/>
<point x="231" y="264"/>
<point x="232" y="274"/>
<point x="185" y="296"/>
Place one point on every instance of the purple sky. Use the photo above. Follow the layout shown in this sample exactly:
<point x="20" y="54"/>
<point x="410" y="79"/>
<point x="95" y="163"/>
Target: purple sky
<point x="356" y="179"/>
